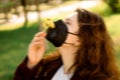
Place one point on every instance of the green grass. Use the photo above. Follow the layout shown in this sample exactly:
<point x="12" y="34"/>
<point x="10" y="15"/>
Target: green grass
<point x="13" y="48"/>
<point x="113" y="25"/>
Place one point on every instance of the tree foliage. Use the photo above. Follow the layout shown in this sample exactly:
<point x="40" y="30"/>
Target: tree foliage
<point x="114" y="4"/>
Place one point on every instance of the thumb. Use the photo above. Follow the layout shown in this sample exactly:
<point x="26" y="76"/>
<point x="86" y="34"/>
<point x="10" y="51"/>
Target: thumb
<point x="43" y="34"/>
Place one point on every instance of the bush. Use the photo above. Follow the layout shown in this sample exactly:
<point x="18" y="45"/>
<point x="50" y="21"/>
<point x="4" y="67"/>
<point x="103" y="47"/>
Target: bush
<point x="102" y="9"/>
<point x="114" y="4"/>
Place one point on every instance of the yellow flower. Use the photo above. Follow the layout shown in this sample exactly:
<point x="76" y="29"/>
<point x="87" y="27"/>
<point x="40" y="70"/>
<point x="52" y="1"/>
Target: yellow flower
<point x="48" y="23"/>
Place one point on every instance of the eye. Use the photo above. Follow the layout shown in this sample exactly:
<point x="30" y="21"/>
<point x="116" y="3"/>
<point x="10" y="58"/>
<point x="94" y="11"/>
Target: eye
<point x="67" y="22"/>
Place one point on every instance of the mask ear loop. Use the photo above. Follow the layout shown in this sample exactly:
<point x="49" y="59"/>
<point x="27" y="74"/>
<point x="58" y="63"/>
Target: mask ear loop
<point x="73" y="33"/>
<point x="69" y="43"/>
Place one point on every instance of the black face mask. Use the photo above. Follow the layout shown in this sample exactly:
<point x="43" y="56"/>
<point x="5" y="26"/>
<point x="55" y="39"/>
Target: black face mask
<point x="58" y="35"/>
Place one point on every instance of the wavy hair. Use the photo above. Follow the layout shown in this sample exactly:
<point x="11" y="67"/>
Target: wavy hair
<point x="95" y="58"/>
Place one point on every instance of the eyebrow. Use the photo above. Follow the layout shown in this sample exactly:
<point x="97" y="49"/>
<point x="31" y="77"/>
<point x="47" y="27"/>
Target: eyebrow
<point x="68" y="19"/>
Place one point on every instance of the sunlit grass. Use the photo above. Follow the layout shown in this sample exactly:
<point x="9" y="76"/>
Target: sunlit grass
<point x="10" y="27"/>
<point x="16" y="25"/>
<point x="42" y="7"/>
<point x="113" y="24"/>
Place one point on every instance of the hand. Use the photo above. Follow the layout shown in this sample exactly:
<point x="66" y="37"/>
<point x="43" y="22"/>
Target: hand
<point x="36" y="49"/>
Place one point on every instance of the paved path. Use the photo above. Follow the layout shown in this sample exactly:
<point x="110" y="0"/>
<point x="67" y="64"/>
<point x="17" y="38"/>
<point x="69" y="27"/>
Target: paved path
<point x="32" y="16"/>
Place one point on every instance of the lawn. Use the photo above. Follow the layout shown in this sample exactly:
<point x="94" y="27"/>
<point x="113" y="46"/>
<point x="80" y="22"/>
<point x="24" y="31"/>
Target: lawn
<point x="14" y="44"/>
<point x="13" y="48"/>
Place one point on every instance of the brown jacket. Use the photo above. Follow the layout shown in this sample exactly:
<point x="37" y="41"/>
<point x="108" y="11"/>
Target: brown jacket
<point x="45" y="70"/>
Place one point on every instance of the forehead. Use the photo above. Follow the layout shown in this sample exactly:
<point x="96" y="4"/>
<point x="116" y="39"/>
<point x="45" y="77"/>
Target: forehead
<point x="73" y="15"/>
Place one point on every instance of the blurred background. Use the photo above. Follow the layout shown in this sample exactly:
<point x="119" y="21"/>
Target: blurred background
<point x="21" y="19"/>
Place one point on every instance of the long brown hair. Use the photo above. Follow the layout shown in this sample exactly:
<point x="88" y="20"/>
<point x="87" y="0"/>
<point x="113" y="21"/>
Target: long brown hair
<point x="95" y="58"/>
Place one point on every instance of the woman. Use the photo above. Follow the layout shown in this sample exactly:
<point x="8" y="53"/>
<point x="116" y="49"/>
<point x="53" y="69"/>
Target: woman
<point x="85" y="51"/>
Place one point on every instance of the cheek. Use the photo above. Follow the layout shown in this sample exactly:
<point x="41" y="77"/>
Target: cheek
<point x="71" y="38"/>
<point x="73" y="29"/>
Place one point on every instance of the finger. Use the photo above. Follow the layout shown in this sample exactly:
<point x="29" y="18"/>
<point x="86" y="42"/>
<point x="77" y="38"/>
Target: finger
<point x="40" y="34"/>
<point x="36" y="39"/>
<point x="37" y="44"/>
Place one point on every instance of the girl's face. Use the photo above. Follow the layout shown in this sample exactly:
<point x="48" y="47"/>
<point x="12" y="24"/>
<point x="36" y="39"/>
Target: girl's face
<point x="73" y="27"/>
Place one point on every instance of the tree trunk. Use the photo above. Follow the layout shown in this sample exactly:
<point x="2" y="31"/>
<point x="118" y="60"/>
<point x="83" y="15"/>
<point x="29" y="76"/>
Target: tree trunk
<point x="24" y="4"/>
